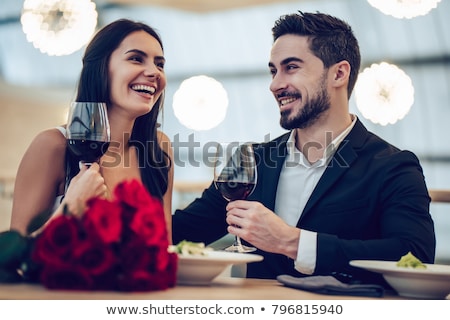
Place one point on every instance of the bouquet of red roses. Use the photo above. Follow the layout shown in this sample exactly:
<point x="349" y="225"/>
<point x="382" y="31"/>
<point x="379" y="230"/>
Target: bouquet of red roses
<point x="116" y="245"/>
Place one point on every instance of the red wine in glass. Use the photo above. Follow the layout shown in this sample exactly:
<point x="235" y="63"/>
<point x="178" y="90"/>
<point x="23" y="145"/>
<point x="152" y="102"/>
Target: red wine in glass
<point x="235" y="178"/>
<point x="235" y="190"/>
<point x="88" y="132"/>
<point x="88" y="150"/>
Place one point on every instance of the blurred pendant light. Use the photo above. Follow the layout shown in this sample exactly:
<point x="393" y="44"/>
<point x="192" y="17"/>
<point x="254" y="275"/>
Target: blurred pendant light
<point x="404" y="8"/>
<point x="200" y="103"/>
<point x="384" y="93"/>
<point x="58" y="27"/>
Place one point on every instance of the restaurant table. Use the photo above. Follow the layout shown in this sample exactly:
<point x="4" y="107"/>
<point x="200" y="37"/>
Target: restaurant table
<point x="222" y="288"/>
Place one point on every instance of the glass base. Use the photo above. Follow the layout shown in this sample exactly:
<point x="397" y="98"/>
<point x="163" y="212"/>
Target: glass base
<point x="240" y="248"/>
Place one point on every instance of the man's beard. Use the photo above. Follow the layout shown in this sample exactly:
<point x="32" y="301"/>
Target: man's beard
<point x="309" y="114"/>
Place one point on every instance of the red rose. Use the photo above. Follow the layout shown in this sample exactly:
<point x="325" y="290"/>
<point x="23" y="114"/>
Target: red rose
<point x="103" y="219"/>
<point x="57" y="240"/>
<point x="143" y="281"/>
<point x="116" y="245"/>
<point x="133" y="255"/>
<point x="94" y="257"/>
<point x="107" y="280"/>
<point x="162" y="258"/>
<point x="132" y="193"/>
<point x="149" y="224"/>
<point x="171" y="270"/>
<point x="146" y="281"/>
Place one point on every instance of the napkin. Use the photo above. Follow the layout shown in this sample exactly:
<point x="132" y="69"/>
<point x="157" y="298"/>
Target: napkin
<point x="330" y="285"/>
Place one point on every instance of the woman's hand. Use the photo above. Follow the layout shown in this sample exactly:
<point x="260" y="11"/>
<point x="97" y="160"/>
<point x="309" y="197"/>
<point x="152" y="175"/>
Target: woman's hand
<point x="87" y="184"/>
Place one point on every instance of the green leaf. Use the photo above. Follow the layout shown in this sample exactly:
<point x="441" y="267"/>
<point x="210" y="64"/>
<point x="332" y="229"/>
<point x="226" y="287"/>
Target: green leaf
<point x="13" y="248"/>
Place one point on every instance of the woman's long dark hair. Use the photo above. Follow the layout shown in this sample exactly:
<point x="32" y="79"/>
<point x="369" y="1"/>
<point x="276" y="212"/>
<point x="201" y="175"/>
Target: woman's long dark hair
<point x="94" y="85"/>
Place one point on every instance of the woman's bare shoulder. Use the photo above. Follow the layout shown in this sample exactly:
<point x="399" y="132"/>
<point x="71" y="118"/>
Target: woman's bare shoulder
<point x="48" y="141"/>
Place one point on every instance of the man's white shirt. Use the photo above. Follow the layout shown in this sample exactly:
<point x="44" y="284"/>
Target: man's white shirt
<point x="298" y="178"/>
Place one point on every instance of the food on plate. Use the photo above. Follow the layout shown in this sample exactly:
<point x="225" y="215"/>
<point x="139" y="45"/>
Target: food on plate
<point x="190" y="248"/>
<point x="410" y="261"/>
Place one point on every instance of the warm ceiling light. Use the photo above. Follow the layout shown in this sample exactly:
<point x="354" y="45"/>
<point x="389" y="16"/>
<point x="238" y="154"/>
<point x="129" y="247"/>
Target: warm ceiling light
<point x="200" y="103"/>
<point x="384" y="93"/>
<point x="58" y="27"/>
<point x="404" y="8"/>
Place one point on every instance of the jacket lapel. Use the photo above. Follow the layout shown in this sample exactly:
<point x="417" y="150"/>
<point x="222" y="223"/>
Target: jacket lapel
<point x="272" y="155"/>
<point x="339" y="164"/>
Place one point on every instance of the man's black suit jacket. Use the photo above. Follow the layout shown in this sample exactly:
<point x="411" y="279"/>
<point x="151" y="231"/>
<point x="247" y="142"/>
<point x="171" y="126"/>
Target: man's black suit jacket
<point x="371" y="203"/>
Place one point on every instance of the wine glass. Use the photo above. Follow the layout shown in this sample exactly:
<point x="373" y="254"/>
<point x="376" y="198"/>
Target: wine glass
<point x="235" y="177"/>
<point x="88" y="133"/>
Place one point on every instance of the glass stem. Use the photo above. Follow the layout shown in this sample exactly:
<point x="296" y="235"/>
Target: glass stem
<point x="238" y="243"/>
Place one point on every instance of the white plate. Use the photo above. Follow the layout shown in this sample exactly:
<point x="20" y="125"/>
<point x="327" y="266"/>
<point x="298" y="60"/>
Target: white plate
<point x="430" y="283"/>
<point x="202" y="269"/>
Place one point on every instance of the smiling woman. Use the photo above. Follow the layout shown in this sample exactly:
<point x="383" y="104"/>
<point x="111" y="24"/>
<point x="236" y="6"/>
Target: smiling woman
<point x="130" y="56"/>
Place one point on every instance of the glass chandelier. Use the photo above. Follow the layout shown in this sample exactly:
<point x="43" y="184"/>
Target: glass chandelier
<point x="384" y="93"/>
<point x="404" y="8"/>
<point x="200" y="103"/>
<point x="58" y="27"/>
